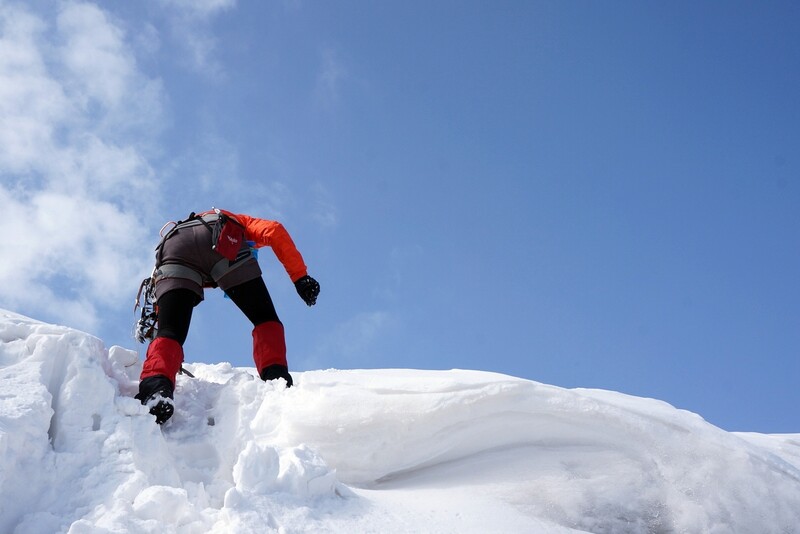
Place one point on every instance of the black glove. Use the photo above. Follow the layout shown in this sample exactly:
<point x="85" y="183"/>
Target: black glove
<point x="308" y="289"/>
<point x="274" y="371"/>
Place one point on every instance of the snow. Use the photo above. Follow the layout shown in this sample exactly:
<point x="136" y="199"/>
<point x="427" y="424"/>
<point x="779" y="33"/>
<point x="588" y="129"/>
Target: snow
<point x="362" y="451"/>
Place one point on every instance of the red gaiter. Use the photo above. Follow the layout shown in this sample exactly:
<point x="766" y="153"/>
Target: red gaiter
<point x="269" y="345"/>
<point x="164" y="357"/>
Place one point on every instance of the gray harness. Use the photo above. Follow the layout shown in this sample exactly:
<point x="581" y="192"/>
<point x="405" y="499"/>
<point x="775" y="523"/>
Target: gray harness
<point x="177" y="270"/>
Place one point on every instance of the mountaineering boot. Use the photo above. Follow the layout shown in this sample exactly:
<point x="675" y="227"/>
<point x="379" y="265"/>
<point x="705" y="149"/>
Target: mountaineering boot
<point x="272" y="372"/>
<point x="157" y="381"/>
<point x="156" y="393"/>
<point x="269" y="352"/>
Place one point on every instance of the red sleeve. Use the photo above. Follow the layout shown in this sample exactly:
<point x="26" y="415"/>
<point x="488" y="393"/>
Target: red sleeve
<point x="272" y="234"/>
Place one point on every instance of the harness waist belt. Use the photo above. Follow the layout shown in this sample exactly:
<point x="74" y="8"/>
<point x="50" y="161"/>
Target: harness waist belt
<point x="175" y="270"/>
<point x="194" y="221"/>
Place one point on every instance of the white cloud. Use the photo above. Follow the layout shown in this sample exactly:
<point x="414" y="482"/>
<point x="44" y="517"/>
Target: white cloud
<point x="268" y="199"/>
<point x="31" y="103"/>
<point x="190" y="20"/>
<point x="147" y="39"/>
<point x="352" y="340"/>
<point x="325" y="213"/>
<point x="100" y="74"/>
<point x="77" y="119"/>
<point x="200" y="8"/>
<point x="95" y="55"/>
<point x="331" y="74"/>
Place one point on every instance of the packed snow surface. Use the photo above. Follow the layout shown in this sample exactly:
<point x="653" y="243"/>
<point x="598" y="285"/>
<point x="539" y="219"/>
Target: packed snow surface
<point x="362" y="451"/>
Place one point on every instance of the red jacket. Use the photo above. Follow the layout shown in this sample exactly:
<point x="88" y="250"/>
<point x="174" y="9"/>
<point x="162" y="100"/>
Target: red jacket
<point x="272" y="234"/>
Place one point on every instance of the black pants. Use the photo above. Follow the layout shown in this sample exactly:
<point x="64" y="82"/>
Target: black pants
<point x="175" y="307"/>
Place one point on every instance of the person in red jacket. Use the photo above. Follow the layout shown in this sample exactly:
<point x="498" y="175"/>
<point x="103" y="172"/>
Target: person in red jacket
<point x="214" y="249"/>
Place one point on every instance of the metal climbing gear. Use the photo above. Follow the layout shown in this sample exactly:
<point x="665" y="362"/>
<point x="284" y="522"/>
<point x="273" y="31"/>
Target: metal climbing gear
<point x="146" y="327"/>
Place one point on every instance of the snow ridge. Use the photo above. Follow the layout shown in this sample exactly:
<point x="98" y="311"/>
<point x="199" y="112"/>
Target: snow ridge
<point x="362" y="451"/>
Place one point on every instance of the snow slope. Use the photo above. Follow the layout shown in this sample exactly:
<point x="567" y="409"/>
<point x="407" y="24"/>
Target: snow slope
<point x="362" y="451"/>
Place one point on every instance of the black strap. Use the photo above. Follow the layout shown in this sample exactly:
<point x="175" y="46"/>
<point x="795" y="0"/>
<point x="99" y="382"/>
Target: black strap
<point x="174" y="230"/>
<point x="205" y="223"/>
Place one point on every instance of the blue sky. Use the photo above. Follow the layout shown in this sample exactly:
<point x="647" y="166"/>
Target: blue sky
<point x="587" y="194"/>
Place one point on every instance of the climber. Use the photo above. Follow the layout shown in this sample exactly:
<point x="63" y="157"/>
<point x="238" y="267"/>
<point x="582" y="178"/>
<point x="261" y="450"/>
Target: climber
<point x="216" y="249"/>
